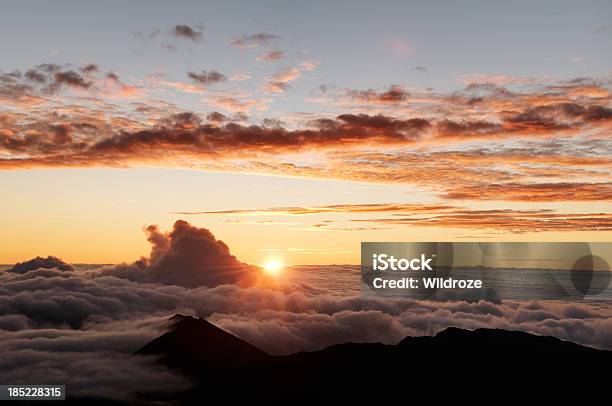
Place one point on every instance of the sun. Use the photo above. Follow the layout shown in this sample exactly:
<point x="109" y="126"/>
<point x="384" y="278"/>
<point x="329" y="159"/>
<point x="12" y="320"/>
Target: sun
<point x="273" y="267"/>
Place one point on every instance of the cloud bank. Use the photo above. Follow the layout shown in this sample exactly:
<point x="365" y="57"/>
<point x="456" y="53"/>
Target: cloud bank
<point x="496" y="139"/>
<point x="81" y="326"/>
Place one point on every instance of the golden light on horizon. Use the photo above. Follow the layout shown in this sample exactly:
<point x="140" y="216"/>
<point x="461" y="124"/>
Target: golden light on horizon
<point x="273" y="267"/>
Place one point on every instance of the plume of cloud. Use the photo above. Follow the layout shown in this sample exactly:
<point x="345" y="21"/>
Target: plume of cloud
<point x="187" y="256"/>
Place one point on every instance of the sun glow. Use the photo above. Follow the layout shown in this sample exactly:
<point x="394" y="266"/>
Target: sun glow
<point x="273" y="267"/>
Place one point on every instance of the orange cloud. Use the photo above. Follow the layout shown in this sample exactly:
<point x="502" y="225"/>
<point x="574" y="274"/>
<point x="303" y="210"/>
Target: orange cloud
<point x="535" y="192"/>
<point x="271" y="56"/>
<point x="513" y="221"/>
<point x="279" y="82"/>
<point x="436" y="215"/>
<point x="545" y="141"/>
<point x="339" y="208"/>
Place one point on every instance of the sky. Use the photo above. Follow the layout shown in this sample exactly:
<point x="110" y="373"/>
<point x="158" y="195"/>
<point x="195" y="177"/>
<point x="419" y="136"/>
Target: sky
<point x="296" y="130"/>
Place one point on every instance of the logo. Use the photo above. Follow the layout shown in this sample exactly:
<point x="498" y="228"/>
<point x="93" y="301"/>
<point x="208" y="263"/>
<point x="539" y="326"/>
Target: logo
<point x="385" y="262"/>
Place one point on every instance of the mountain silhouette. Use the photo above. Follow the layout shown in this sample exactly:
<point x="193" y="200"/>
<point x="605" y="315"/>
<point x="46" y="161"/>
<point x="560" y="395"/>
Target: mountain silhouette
<point x="196" y="346"/>
<point x="217" y="360"/>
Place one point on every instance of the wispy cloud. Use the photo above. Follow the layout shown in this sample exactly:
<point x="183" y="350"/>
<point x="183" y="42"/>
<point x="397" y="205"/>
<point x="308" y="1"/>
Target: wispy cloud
<point x="339" y="208"/>
<point x="602" y="28"/>
<point x="279" y="82"/>
<point x="253" y="40"/>
<point x="434" y="215"/>
<point x="271" y="56"/>
<point x="419" y="68"/>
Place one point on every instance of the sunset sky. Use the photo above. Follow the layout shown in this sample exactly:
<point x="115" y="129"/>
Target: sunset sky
<point x="294" y="131"/>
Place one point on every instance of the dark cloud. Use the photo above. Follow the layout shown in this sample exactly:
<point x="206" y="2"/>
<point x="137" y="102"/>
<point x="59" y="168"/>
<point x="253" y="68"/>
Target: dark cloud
<point x="62" y="133"/>
<point x="113" y="76"/>
<point x="487" y="88"/>
<point x="90" y="68"/>
<point x="185" y="31"/>
<point x="185" y="120"/>
<point x="37" y="83"/>
<point x="389" y="127"/>
<point x="325" y="87"/>
<point x="216" y="117"/>
<point x="14" y="90"/>
<point x="14" y="322"/>
<point x="597" y="113"/>
<point x="205" y="139"/>
<point x="69" y="78"/>
<point x="240" y="116"/>
<point x="272" y="122"/>
<point x="482" y="94"/>
<point x="548" y="117"/>
<point x="35" y="76"/>
<point x="50" y="262"/>
<point x="467" y="128"/>
<point x="395" y="94"/>
<point x="207" y="78"/>
<point x="49" y="67"/>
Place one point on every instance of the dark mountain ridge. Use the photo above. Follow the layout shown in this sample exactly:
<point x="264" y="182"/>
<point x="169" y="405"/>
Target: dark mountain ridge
<point x="215" y="359"/>
<point x="195" y="345"/>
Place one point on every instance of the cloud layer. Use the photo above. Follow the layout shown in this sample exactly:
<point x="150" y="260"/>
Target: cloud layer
<point x="81" y="327"/>
<point x="496" y="139"/>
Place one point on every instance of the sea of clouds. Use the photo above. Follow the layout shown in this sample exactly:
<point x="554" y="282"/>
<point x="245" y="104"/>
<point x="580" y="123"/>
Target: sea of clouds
<point x="81" y="328"/>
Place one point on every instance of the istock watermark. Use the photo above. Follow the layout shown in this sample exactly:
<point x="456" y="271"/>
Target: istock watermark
<point x="489" y="271"/>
